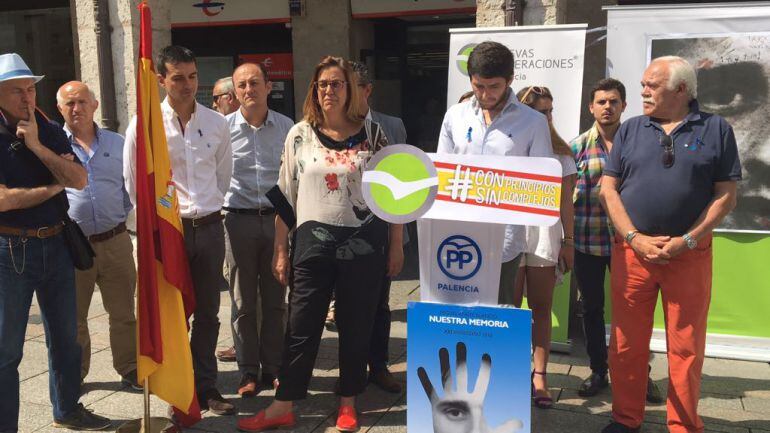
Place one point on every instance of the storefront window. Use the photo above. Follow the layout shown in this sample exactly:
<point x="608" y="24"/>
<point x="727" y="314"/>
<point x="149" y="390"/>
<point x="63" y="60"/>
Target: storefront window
<point x="43" y="38"/>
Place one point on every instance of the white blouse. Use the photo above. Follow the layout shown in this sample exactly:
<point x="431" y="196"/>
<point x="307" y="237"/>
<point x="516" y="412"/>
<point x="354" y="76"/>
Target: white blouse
<point x="323" y="184"/>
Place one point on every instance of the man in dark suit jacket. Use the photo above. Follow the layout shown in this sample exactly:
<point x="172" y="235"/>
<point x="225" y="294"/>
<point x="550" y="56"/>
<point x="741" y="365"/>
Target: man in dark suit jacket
<point x="393" y="126"/>
<point x="378" y="347"/>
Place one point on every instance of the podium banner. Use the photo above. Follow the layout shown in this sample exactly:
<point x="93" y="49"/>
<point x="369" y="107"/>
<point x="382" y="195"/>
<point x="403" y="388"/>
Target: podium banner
<point x="468" y="366"/>
<point x="459" y="262"/>
<point x="402" y="183"/>
<point x="497" y="189"/>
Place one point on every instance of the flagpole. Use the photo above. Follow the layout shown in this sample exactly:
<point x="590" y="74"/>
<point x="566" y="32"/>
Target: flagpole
<point x="147" y="422"/>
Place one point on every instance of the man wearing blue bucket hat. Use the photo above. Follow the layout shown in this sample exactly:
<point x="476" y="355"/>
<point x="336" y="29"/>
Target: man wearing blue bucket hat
<point x="36" y="164"/>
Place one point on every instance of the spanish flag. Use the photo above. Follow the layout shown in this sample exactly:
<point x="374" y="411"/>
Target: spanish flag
<point x="165" y="298"/>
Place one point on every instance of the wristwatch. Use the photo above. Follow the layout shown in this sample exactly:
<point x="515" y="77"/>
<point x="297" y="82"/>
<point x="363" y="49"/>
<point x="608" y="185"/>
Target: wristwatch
<point x="691" y="242"/>
<point x="631" y="235"/>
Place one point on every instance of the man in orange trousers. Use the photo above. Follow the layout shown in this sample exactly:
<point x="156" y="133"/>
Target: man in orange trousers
<point x="670" y="180"/>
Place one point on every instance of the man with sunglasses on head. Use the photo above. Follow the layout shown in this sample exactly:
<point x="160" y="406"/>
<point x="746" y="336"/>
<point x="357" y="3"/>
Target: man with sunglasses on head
<point x="223" y="100"/>
<point x="670" y="180"/>
<point x="494" y="122"/>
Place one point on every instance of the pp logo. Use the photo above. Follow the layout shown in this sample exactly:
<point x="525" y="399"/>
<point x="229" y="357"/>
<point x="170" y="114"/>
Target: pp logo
<point x="459" y="257"/>
<point x="462" y="58"/>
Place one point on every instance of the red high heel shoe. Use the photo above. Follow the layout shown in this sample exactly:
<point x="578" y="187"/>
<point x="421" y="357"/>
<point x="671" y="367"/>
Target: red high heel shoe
<point x="259" y="423"/>
<point x="347" y="419"/>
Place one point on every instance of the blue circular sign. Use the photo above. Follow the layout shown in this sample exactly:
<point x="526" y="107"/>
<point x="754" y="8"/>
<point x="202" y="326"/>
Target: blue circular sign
<point x="459" y="257"/>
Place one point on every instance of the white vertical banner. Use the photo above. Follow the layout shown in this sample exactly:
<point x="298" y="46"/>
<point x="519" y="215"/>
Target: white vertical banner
<point x="550" y="56"/>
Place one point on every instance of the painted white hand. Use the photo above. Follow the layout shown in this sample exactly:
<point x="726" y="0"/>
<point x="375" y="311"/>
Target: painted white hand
<point x="398" y="188"/>
<point x="460" y="409"/>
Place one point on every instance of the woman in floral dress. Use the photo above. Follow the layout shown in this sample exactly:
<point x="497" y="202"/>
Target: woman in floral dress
<point x="338" y="246"/>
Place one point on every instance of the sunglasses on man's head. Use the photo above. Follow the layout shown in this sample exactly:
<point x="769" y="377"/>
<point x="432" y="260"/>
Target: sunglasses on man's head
<point x="667" y="142"/>
<point x="533" y="89"/>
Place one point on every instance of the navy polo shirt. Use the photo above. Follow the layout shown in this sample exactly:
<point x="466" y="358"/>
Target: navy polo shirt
<point x="668" y="201"/>
<point x="22" y="169"/>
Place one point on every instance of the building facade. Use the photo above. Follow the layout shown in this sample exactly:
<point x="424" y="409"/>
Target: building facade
<point x="405" y="43"/>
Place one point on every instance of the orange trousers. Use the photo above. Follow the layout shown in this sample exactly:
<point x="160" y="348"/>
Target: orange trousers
<point x="685" y="287"/>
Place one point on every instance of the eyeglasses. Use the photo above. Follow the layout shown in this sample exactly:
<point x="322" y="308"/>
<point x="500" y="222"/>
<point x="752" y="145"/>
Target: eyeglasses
<point x="215" y="99"/>
<point x="335" y="84"/>
<point x="668" y="151"/>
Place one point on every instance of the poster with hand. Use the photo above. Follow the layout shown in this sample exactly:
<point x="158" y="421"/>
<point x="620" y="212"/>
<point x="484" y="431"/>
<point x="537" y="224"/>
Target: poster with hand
<point x="468" y="369"/>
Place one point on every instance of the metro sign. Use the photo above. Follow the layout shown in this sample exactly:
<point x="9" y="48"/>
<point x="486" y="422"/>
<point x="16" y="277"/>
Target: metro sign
<point x="210" y="8"/>
<point x="205" y="13"/>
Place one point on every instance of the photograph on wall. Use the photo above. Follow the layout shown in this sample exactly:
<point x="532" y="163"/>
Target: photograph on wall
<point x="733" y="80"/>
<point x="468" y="368"/>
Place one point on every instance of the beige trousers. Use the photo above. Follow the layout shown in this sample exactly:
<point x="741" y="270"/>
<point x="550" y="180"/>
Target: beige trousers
<point x="115" y="274"/>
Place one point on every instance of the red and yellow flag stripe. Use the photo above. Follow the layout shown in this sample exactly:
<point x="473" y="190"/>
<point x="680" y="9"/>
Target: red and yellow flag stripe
<point x="165" y="297"/>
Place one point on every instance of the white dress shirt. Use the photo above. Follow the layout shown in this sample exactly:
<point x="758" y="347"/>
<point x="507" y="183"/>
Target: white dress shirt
<point x="517" y="131"/>
<point x="201" y="159"/>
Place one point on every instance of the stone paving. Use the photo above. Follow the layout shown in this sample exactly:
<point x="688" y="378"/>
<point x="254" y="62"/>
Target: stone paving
<point x="735" y="398"/>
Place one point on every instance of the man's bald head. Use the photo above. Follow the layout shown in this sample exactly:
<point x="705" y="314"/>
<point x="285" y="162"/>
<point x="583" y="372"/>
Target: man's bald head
<point x="250" y="66"/>
<point x="77" y="104"/>
<point x="71" y="86"/>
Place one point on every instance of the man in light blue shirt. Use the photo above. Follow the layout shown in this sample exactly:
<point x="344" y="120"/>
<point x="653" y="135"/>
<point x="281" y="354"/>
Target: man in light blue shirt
<point x="100" y="209"/>
<point x="259" y="311"/>
<point x="494" y="122"/>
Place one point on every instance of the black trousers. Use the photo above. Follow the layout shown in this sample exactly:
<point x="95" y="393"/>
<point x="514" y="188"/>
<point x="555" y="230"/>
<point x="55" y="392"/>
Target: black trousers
<point x="205" y="246"/>
<point x="349" y="263"/>
<point x="590" y="272"/>
<point x="378" y="346"/>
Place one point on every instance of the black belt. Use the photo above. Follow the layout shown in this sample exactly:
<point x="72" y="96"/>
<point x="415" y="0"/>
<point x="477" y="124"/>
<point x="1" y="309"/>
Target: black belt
<point x="202" y="221"/>
<point x="109" y="234"/>
<point x="261" y="211"/>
